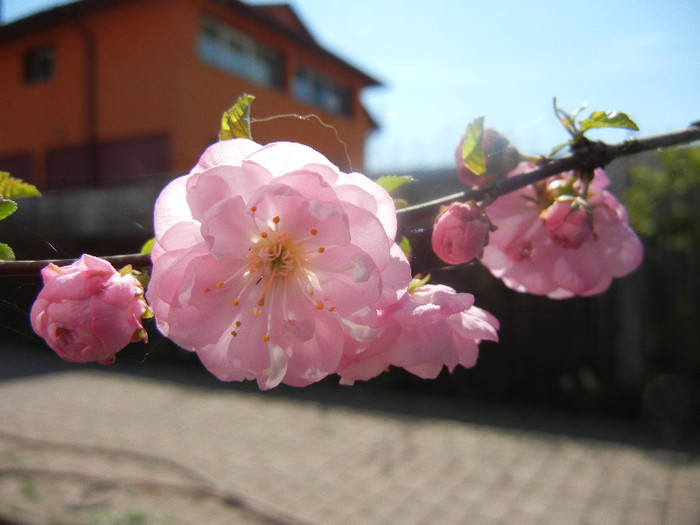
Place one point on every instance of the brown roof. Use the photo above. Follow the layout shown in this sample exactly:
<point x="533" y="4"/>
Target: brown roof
<point x="281" y="17"/>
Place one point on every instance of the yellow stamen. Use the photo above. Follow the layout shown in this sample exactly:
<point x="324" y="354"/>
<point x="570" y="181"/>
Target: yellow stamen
<point x="234" y="302"/>
<point x="266" y="338"/>
<point x="314" y="231"/>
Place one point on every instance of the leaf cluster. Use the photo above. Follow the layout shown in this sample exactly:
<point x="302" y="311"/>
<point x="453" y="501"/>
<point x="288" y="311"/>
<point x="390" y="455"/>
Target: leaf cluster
<point x="597" y="119"/>
<point x="12" y="188"/>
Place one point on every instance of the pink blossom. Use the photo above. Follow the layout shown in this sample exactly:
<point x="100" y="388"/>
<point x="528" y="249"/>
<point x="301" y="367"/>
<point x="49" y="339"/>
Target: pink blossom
<point x="568" y="224"/>
<point x="431" y="327"/>
<point x="271" y="264"/>
<point x="460" y="233"/>
<point x="560" y="256"/>
<point x="87" y="311"/>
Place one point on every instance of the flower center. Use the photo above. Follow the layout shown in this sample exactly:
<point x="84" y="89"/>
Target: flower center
<point x="276" y="261"/>
<point x="271" y="256"/>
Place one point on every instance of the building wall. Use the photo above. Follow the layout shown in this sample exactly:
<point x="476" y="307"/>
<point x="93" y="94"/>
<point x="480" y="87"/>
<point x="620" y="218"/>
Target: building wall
<point x="131" y="95"/>
<point x="46" y="115"/>
<point x="207" y="92"/>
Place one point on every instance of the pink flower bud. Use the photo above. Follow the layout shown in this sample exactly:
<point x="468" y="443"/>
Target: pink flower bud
<point x="568" y="224"/>
<point x="87" y="311"/>
<point x="500" y="158"/>
<point x="460" y="233"/>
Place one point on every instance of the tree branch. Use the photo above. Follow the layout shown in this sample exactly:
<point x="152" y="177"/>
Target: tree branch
<point x="17" y="268"/>
<point x="593" y="155"/>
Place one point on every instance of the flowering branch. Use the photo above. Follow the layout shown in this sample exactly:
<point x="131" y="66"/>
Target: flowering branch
<point x="592" y="155"/>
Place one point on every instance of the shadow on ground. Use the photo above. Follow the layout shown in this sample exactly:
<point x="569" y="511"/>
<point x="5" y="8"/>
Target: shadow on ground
<point x="26" y="357"/>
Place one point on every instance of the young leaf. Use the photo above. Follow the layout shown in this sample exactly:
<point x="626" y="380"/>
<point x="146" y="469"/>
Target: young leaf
<point x="417" y="282"/>
<point x="472" y="150"/>
<point x="148" y="246"/>
<point x="12" y="188"/>
<point x="400" y="203"/>
<point x="610" y="119"/>
<point x="6" y="253"/>
<point x="405" y="246"/>
<point x="235" y="123"/>
<point x="568" y="121"/>
<point x="556" y="149"/>
<point x="393" y="182"/>
<point x="7" y="207"/>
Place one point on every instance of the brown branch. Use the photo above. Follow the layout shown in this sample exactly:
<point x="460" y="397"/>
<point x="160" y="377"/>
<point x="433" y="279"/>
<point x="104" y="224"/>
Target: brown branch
<point x="595" y="154"/>
<point x="17" y="268"/>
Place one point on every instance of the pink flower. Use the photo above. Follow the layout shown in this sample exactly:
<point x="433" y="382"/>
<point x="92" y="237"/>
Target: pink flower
<point x="432" y="326"/>
<point x="87" y="311"/>
<point x="543" y="247"/>
<point x="568" y="224"/>
<point x="460" y="233"/>
<point x="271" y="264"/>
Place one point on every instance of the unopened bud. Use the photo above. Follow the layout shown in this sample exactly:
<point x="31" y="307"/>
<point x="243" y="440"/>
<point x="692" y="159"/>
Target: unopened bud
<point x="500" y="158"/>
<point x="460" y="232"/>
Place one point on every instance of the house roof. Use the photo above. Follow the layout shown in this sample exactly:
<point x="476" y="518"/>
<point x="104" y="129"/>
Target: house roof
<point x="281" y="17"/>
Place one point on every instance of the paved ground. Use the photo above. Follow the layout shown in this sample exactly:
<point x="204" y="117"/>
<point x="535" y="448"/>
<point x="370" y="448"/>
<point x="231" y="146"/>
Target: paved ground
<point x="132" y="446"/>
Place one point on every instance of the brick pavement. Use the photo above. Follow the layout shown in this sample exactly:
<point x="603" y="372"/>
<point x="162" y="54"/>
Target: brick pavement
<point x="304" y="460"/>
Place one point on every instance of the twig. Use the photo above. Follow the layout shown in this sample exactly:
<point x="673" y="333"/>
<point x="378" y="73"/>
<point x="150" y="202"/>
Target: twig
<point x="596" y="154"/>
<point x="18" y="268"/>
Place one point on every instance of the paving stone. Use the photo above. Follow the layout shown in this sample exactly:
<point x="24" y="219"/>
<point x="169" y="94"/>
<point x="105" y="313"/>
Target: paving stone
<point x="316" y="462"/>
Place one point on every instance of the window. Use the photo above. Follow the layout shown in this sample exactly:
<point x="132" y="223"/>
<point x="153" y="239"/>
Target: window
<point x="315" y="89"/>
<point x="228" y="50"/>
<point x="39" y="65"/>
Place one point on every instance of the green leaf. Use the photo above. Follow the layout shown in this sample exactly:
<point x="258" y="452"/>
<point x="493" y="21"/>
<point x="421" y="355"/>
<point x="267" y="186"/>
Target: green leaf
<point x="405" y="246"/>
<point x="473" y="151"/>
<point x="6" y="253"/>
<point x="235" y="123"/>
<point x="7" y="207"/>
<point x="417" y="282"/>
<point x="393" y="182"/>
<point x="568" y="121"/>
<point x="610" y="119"/>
<point x="148" y="246"/>
<point x="576" y="113"/>
<point x="556" y="149"/>
<point x="400" y="203"/>
<point x="12" y="188"/>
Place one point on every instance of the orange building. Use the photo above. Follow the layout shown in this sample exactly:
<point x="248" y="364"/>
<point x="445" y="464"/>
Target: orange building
<point x="105" y="92"/>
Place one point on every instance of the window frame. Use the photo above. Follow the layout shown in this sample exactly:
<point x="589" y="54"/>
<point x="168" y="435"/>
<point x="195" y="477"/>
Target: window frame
<point x="39" y="64"/>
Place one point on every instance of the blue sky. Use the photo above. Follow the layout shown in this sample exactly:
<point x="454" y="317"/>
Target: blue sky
<point x="445" y="62"/>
